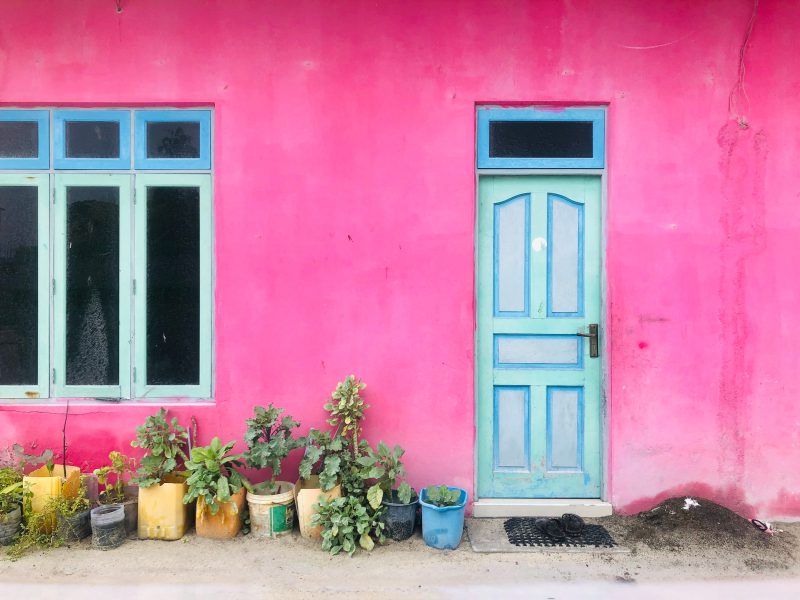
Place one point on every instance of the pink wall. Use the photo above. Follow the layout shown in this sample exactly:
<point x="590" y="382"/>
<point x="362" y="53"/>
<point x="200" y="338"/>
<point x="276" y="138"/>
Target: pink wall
<point x="345" y="209"/>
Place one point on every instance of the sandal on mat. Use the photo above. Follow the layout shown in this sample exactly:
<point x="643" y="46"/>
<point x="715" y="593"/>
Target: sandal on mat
<point x="572" y="524"/>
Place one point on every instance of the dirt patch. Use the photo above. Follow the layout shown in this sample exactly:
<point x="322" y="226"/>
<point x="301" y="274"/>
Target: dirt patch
<point x="677" y="524"/>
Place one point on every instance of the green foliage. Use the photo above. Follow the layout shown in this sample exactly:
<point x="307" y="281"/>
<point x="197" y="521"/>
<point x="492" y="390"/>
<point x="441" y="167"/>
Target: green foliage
<point x="69" y="507"/>
<point x="164" y="443"/>
<point x="113" y="477"/>
<point x="37" y="532"/>
<point x="213" y="479"/>
<point x="347" y="409"/>
<point x="441" y="495"/>
<point x="269" y="440"/>
<point x="39" y="529"/>
<point x="384" y="467"/>
<point x="347" y="523"/>
<point x="324" y="456"/>
<point x="10" y="489"/>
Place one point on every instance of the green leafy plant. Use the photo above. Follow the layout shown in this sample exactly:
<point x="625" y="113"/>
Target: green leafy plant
<point x="10" y="490"/>
<point x="40" y="529"/>
<point x="441" y="495"/>
<point x="385" y="468"/>
<point x="323" y="457"/>
<point x="213" y="479"/>
<point x="164" y="443"/>
<point x="269" y="441"/>
<point x="347" y="410"/>
<point x="348" y="523"/>
<point x="114" y="476"/>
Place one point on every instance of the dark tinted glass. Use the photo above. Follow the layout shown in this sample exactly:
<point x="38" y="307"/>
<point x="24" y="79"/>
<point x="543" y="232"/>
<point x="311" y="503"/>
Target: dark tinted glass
<point x="92" y="286"/>
<point x="19" y="139"/>
<point x="18" y="285"/>
<point x="540" y="139"/>
<point x="173" y="286"/>
<point x="92" y="139"/>
<point x="179" y="139"/>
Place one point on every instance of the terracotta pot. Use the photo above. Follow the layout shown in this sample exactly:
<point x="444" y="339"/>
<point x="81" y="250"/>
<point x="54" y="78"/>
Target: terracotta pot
<point x="307" y="494"/>
<point x="226" y="523"/>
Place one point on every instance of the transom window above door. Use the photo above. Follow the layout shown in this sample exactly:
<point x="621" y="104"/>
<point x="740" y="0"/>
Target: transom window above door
<point x="105" y="254"/>
<point x="537" y="138"/>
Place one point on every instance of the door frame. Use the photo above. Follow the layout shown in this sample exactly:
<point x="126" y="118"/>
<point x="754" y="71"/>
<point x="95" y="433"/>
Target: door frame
<point x="513" y="507"/>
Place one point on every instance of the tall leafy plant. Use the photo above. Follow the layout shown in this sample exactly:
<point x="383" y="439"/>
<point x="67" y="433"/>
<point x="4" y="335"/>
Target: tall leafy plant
<point x="213" y="478"/>
<point x="325" y="455"/>
<point x="165" y="443"/>
<point x="347" y="410"/>
<point x="269" y="441"/>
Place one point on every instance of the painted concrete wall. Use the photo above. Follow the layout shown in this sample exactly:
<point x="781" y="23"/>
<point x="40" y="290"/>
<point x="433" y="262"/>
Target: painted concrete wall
<point x="345" y="199"/>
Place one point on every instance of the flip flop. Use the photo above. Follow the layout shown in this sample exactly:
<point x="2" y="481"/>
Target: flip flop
<point x="572" y="524"/>
<point x="552" y="528"/>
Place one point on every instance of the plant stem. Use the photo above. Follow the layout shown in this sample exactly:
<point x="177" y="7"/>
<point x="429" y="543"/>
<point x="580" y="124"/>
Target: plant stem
<point x="64" y="440"/>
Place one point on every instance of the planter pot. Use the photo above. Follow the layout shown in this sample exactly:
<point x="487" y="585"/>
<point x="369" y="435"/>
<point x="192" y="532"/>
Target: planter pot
<point x="399" y="519"/>
<point x="271" y="513"/>
<point x="442" y="526"/>
<point x="10" y="523"/>
<point x="43" y="486"/>
<point x="226" y="523"/>
<point x="162" y="515"/>
<point x="131" y="505"/>
<point x="75" y="527"/>
<point x="108" y="526"/>
<point x="307" y="494"/>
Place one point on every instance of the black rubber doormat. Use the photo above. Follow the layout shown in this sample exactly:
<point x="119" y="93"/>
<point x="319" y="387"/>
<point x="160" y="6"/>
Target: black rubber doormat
<point x="522" y="531"/>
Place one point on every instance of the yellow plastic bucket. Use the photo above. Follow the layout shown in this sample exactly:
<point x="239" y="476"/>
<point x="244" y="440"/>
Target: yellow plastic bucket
<point x="43" y="485"/>
<point x="162" y="513"/>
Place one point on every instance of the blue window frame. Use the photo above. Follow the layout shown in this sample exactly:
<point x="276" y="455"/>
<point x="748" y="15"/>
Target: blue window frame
<point x="42" y="158"/>
<point x="187" y="150"/>
<point x="63" y="119"/>
<point x="585" y="125"/>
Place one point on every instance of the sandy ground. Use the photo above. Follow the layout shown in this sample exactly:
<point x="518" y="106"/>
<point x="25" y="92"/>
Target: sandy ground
<point x="295" y="567"/>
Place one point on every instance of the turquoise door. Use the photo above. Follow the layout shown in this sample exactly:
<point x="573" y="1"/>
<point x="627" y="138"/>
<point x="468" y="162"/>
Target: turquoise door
<point x="538" y="282"/>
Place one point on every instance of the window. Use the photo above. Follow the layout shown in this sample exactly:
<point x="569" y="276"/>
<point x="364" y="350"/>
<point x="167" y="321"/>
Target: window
<point x="571" y="138"/>
<point x="105" y="271"/>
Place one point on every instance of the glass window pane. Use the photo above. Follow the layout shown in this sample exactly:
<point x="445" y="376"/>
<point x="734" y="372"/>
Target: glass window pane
<point x="173" y="286"/>
<point x="19" y="139"/>
<point x="92" y="286"/>
<point x="173" y="139"/>
<point x="92" y="139"/>
<point x="18" y="285"/>
<point x="540" y="139"/>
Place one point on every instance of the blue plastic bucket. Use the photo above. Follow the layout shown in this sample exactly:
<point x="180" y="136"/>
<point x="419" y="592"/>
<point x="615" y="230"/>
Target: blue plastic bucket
<point x="442" y="526"/>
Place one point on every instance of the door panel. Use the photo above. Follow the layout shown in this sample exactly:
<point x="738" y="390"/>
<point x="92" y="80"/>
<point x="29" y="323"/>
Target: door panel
<point x="538" y="280"/>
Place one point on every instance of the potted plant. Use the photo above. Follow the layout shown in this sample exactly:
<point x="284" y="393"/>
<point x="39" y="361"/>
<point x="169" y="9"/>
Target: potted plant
<point x="218" y="488"/>
<point x="320" y="470"/>
<point x="10" y="504"/>
<point x="116" y="488"/>
<point x="443" y="516"/>
<point x="72" y="515"/>
<point x="269" y="441"/>
<point x="49" y="481"/>
<point x="385" y="468"/>
<point x="162" y="487"/>
<point x="329" y="465"/>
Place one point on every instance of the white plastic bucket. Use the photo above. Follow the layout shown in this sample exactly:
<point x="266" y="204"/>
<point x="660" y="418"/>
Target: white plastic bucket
<point x="272" y="515"/>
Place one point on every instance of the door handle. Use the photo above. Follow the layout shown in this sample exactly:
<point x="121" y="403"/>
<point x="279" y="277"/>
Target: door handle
<point x="593" y="335"/>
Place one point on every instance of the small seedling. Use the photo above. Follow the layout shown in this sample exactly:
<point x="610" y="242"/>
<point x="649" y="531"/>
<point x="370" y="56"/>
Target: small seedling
<point x="441" y="495"/>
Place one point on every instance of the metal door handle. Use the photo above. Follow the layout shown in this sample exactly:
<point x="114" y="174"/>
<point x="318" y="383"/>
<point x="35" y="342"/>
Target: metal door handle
<point x="594" y="346"/>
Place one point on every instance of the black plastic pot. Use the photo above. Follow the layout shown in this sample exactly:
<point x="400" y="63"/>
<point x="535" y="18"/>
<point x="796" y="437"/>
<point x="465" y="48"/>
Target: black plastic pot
<point x="108" y="526"/>
<point x="9" y="526"/>
<point x="399" y="519"/>
<point x="75" y="527"/>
